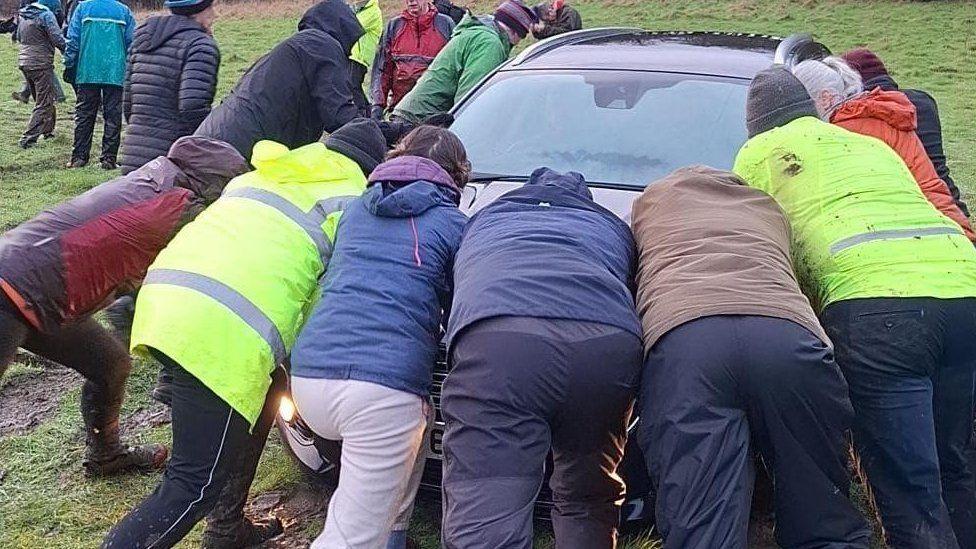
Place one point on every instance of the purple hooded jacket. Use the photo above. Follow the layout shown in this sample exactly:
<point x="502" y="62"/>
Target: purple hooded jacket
<point x="388" y="282"/>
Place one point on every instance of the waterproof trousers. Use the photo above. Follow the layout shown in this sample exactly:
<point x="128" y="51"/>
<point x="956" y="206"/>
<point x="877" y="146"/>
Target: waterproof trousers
<point x="718" y="389"/>
<point x="90" y="98"/>
<point x="88" y="349"/>
<point x="520" y="388"/>
<point x="213" y="461"/>
<point x="383" y="452"/>
<point x="25" y="90"/>
<point x="909" y="363"/>
<point x="43" y="117"/>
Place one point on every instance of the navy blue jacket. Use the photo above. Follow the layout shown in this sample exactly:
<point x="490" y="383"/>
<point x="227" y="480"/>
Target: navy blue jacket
<point x="545" y="250"/>
<point x="379" y="319"/>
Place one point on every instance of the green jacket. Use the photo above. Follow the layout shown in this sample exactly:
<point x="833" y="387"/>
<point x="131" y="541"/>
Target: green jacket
<point x="861" y="226"/>
<point x="476" y="48"/>
<point x="98" y="40"/>
<point x="371" y="18"/>
<point x="226" y="299"/>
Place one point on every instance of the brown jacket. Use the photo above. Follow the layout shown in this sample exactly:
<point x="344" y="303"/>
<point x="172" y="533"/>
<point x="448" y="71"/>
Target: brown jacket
<point x="710" y="245"/>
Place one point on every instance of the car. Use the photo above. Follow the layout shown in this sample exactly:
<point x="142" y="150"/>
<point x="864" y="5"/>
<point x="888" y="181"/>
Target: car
<point x="623" y="107"/>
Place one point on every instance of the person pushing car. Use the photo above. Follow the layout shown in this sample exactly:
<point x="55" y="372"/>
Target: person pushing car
<point x="68" y="262"/>
<point x="545" y="345"/>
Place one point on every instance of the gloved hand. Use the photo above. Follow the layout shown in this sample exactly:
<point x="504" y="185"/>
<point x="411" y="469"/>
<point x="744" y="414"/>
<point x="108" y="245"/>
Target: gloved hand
<point x="69" y="75"/>
<point x="376" y="112"/>
<point x="394" y="130"/>
<point x="441" y="120"/>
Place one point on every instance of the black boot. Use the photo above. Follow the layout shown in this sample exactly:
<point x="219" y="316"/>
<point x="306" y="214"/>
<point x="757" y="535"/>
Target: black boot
<point x="245" y="534"/>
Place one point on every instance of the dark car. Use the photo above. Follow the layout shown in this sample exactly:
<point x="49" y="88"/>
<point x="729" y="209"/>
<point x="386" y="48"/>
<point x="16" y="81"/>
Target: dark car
<point x="623" y="107"/>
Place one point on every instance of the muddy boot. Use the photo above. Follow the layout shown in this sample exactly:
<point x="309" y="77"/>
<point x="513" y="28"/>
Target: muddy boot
<point x="105" y="456"/>
<point x="119" y="316"/>
<point x="245" y="534"/>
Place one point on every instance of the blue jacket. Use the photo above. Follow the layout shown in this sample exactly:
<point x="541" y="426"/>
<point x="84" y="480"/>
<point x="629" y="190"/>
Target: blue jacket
<point x="545" y="250"/>
<point x="99" y="35"/>
<point x="379" y="318"/>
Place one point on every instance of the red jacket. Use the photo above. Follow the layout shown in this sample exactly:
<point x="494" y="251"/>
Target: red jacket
<point x="70" y="260"/>
<point x="890" y="117"/>
<point x="408" y="46"/>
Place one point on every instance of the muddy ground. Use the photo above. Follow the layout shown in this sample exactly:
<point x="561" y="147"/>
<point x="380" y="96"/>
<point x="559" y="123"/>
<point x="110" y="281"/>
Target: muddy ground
<point x="30" y="399"/>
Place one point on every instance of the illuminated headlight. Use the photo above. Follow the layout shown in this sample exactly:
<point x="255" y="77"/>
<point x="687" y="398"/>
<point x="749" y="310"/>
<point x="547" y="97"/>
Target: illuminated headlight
<point x="286" y="409"/>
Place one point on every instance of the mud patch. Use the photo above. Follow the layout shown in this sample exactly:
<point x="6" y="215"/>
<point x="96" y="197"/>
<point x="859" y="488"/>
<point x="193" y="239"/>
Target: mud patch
<point x="29" y="399"/>
<point x="300" y="509"/>
<point x="154" y="415"/>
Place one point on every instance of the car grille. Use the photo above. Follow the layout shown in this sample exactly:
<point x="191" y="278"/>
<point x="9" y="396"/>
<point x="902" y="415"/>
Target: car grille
<point x="440" y="374"/>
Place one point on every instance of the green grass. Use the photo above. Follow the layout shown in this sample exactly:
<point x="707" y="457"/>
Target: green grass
<point x="44" y="499"/>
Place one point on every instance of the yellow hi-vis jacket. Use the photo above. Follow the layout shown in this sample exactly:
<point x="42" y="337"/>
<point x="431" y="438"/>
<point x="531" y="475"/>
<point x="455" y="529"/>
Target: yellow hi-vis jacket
<point x="227" y="297"/>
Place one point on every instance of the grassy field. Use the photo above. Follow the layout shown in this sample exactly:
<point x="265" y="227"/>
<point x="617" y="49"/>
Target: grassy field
<point x="45" y="501"/>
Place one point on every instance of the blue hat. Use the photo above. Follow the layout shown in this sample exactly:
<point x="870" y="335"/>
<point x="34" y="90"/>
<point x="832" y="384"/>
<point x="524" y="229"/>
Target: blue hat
<point x="187" y="7"/>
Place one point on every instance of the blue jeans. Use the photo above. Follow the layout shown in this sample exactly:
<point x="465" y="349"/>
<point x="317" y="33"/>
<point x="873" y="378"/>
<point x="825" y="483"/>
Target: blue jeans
<point x="909" y="363"/>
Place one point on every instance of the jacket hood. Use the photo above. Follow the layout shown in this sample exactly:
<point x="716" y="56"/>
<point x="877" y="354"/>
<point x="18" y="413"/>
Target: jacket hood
<point x="209" y="164"/>
<point x="891" y="107"/>
<point x="700" y="173"/>
<point x="474" y="22"/>
<point x="336" y="19"/>
<point x="409" y="186"/>
<point x="883" y="81"/>
<point x="164" y="27"/>
<point x="32" y="11"/>
<point x="570" y="181"/>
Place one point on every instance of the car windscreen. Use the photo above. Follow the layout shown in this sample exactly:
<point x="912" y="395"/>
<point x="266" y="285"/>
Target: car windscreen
<point x="620" y="127"/>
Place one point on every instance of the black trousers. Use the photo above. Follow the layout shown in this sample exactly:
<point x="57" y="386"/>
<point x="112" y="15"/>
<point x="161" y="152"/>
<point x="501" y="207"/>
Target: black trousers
<point x="211" y="467"/>
<point x="717" y="389"/>
<point x="910" y="365"/>
<point x="86" y="348"/>
<point x="90" y="98"/>
<point x="518" y="388"/>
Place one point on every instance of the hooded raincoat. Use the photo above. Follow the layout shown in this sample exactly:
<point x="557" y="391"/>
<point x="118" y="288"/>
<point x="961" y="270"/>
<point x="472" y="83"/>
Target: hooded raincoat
<point x="409" y="45"/>
<point x="226" y="298"/>
<point x="70" y="260"/>
<point x="169" y="86"/>
<point x="99" y="36"/>
<point x="477" y="47"/>
<point x="298" y="90"/>
<point x="890" y="117"/>
<point x="38" y="35"/>
<point x="861" y="226"/>
<point x="389" y="281"/>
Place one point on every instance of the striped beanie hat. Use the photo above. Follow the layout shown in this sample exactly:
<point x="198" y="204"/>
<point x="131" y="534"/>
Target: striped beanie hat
<point x="516" y="16"/>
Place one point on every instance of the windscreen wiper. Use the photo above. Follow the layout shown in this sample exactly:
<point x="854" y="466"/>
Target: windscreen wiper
<point x="482" y="177"/>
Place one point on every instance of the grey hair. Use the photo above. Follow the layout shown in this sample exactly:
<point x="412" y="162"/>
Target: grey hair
<point x="831" y="74"/>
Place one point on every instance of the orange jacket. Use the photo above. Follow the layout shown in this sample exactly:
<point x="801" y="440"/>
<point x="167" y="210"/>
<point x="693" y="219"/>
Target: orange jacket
<point x="890" y="117"/>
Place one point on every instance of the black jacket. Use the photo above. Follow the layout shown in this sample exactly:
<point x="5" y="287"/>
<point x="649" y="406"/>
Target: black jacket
<point x="298" y="90"/>
<point x="169" y="86"/>
<point x="929" y="130"/>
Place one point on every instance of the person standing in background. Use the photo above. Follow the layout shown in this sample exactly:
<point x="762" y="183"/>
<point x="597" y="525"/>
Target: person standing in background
<point x="555" y="18"/>
<point x="371" y="18"/>
<point x="99" y="35"/>
<point x="39" y="35"/>
<point x="25" y="93"/>
<point x="171" y="80"/>
<point x="929" y="129"/>
<point x="409" y="45"/>
<point x="477" y="47"/>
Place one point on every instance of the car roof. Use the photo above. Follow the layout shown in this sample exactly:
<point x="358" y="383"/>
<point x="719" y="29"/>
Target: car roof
<point x="712" y="53"/>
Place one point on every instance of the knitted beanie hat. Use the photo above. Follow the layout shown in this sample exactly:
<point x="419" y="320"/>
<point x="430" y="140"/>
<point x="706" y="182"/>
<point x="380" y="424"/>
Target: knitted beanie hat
<point x="187" y="7"/>
<point x="360" y="140"/>
<point x="516" y="16"/>
<point x="865" y="62"/>
<point x="775" y="99"/>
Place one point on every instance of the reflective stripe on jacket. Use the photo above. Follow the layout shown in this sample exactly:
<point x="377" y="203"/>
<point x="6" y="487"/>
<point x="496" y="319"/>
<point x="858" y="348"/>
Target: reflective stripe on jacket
<point x="226" y="298"/>
<point x="861" y="226"/>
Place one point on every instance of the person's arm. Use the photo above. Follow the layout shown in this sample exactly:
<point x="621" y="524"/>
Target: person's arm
<point x="198" y="82"/>
<point x="330" y="89"/>
<point x="127" y="90"/>
<point x="484" y="56"/>
<point x="381" y="72"/>
<point x="130" y="28"/>
<point x="54" y="31"/>
<point x="74" y="35"/>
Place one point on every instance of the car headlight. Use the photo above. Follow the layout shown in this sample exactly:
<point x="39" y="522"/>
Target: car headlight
<point x="286" y="409"/>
